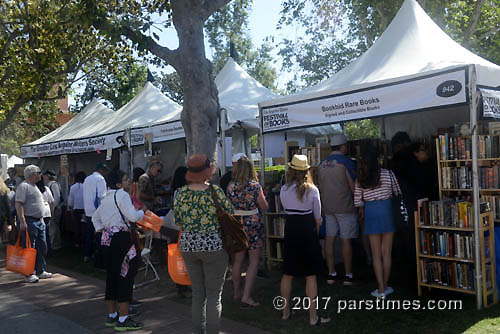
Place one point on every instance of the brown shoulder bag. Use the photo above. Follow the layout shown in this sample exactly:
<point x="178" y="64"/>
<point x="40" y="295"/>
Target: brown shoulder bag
<point x="234" y="236"/>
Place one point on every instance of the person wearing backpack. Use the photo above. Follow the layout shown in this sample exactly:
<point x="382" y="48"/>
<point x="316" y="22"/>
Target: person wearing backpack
<point x="49" y="178"/>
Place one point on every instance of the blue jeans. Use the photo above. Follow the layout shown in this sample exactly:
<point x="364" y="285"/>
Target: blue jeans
<point x="36" y="231"/>
<point x="88" y="237"/>
<point x="47" y="234"/>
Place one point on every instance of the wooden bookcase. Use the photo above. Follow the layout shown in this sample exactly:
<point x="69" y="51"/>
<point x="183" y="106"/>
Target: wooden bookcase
<point x="444" y="230"/>
<point x="275" y="234"/>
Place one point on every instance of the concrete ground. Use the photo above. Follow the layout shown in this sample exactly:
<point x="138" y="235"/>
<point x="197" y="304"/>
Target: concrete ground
<point x="72" y="303"/>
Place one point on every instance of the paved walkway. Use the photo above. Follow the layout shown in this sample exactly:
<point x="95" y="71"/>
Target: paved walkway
<point x="72" y="303"/>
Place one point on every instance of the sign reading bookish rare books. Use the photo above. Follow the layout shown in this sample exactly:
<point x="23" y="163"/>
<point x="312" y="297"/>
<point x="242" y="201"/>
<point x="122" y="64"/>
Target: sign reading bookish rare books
<point x="436" y="90"/>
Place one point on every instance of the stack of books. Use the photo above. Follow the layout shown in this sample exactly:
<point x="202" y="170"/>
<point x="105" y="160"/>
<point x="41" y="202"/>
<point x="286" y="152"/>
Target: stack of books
<point x="448" y="213"/>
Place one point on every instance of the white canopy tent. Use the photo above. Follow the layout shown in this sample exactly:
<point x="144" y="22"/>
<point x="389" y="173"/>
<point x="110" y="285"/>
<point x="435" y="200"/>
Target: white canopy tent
<point x="413" y="66"/>
<point x="239" y="94"/>
<point x="13" y="161"/>
<point x="98" y="128"/>
<point x="400" y="72"/>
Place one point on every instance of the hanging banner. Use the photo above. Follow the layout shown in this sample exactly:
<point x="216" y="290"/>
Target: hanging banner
<point x="491" y="103"/>
<point x="161" y="132"/>
<point x="409" y="95"/>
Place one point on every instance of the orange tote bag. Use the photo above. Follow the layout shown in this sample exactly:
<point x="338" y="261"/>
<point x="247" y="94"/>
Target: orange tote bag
<point x="21" y="260"/>
<point x="151" y="221"/>
<point x="176" y="266"/>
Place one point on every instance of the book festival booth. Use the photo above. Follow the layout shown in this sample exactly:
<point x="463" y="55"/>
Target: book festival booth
<point x="416" y="79"/>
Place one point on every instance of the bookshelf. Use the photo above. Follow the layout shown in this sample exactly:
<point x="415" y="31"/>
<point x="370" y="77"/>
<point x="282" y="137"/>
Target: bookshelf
<point x="444" y="229"/>
<point x="275" y="233"/>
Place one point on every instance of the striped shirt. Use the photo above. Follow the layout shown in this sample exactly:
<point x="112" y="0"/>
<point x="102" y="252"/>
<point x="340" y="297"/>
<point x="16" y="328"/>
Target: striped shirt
<point x="384" y="191"/>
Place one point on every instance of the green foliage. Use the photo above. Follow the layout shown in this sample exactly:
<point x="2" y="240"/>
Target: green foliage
<point x="361" y="129"/>
<point x="336" y="32"/>
<point x="46" y="44"/>
<point x="116" y="89"/>
<point x="230" y="24"/>
<point x="35" y="120"/>
<point x="170" y="85"/>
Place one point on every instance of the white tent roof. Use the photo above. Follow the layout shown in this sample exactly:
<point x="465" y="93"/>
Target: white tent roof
<point x="239" y="94"/>
<point x="85" y="124"/>
<point x="13" y="160"/>
<point x="411" y="46"/>
<point x="148" y="108"/>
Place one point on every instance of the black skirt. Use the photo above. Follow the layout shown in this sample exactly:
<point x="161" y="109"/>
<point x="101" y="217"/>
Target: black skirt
<point x="302" y="251"/>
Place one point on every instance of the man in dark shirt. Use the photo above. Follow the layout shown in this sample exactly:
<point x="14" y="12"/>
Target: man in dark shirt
<point x="146" y="185"/>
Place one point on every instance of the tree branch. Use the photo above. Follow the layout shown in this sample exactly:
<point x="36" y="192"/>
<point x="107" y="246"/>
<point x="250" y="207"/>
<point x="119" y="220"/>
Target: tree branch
<point x="471" y="29"/>
<point x="143" y="42"/>
<point x="11" y="114"/>
<point x="210" y="6"/>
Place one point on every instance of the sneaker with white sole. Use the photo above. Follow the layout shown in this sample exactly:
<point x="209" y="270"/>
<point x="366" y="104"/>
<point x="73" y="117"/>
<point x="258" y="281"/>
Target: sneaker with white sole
<point x="388" y="291"/>
<point x="111" y="322"/>
<point x="32" y="278"/>
<point x="331" y="278"/>
<point x="128" y="325"/>
<point x="45" y="275"/>
<point x="377" y="294"/>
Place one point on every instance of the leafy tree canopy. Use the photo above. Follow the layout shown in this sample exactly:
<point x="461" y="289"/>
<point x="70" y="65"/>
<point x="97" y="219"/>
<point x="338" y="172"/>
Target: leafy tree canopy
<point x="44" y="47"/>
<point x="116" y="89"/>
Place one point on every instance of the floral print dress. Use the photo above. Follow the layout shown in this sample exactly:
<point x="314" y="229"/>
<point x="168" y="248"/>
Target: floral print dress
<point x="245" y="198"/>
<point x="195" y="212"/>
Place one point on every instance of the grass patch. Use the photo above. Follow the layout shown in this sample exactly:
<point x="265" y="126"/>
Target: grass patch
<point x="352" y="320"/>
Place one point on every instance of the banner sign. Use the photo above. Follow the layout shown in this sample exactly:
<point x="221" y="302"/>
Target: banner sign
<point x="491" y="103"/>
<point x="414" y="94"/>
<point x="161" y="132"/>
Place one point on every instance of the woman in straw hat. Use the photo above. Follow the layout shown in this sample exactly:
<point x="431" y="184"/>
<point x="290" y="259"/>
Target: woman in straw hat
<point x="201" y="243"/>
<point x="302" y="251"/>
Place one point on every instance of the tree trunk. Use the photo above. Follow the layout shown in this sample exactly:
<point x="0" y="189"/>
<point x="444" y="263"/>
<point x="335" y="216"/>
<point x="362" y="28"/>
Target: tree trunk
<point x="201" y="104"/>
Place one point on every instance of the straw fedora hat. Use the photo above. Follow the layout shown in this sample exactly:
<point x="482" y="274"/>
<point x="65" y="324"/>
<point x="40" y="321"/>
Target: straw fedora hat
<point x="299" y="162"/>
<point x="199" y="168"/>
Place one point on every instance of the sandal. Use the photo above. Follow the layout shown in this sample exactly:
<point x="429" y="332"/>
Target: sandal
<point x="288" y="317"/>
<point x="250" y="304"/>
<point x="321" y="321"/>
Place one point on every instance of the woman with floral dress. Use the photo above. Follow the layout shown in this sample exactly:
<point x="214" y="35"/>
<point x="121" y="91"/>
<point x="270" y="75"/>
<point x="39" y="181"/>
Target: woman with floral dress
<point x="245" y="192"/>
<point x="201" y="242"/>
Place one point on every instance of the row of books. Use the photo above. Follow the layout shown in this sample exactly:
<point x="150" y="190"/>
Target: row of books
<point x="461" y="177"/>
<point x="456" y="177"/>
<point x="452" y="274"/>
<point x="447" y="213"/>
<point x="277" y="227"/>
<point x="458" y="245"/>
<point x="494" y="202"/>
<point x="460" y="148"/>
<point x="315" y="154"/>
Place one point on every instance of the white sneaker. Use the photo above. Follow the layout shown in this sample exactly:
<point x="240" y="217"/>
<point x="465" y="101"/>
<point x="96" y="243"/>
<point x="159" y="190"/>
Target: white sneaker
<point x="45" y="275"/>
<point x="377" y="294"/>
<point x="32" y="278"/>
<point x="388" y="291"/>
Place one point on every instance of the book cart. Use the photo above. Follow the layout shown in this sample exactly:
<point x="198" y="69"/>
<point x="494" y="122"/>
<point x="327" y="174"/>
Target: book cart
<point x="444" y="229"/>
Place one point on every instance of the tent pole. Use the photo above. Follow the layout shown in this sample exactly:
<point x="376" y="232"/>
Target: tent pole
<point x="223" y="138"/>
<point x="475" y="183"/>
<point x="262" y="155"/>
<point x="130" y="150"/>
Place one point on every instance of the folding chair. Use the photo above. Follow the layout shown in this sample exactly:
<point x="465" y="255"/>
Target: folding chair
<point x="145" y="255"/>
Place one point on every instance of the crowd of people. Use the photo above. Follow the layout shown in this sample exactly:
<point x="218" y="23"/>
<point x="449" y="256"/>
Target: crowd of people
<point x="350" y="199"/>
